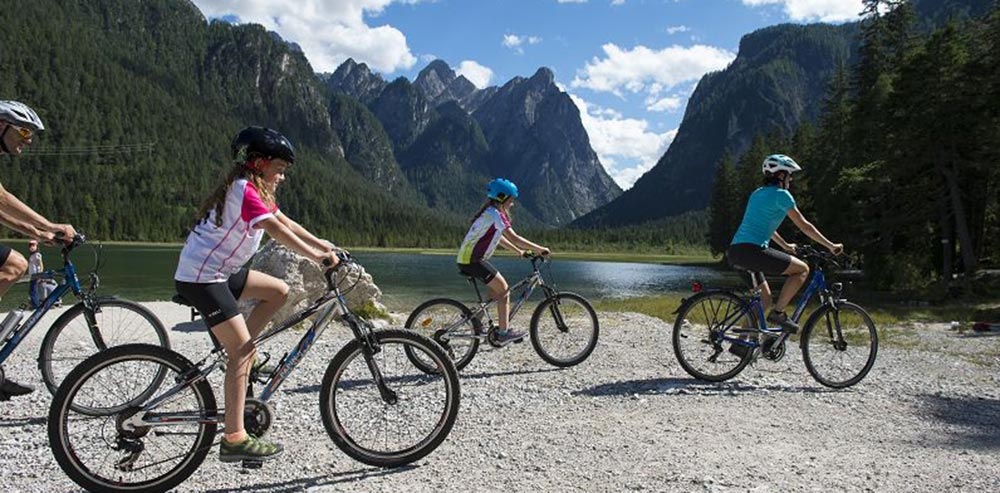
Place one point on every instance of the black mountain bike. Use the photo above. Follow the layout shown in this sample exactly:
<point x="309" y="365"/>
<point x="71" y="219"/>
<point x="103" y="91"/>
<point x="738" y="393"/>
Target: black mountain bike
<point x="90" y="326"/>
<point x="563" y="329"/>
<point x="375" y="405"/>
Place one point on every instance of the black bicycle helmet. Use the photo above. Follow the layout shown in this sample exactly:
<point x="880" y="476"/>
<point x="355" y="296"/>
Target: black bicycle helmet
<point x="253" y="142"/>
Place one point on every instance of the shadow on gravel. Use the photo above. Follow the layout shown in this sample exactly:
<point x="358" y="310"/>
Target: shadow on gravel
<point x="409" y="379"/>
<point x="977" y="420"/>
<point x="196" y="326"/>
<point x="683" y="386"/>
<point x="303" y="484"/>
<point x="13" y="423"/>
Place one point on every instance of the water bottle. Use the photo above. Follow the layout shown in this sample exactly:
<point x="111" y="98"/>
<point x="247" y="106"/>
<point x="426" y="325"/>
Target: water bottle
<point x="10" y="323"/>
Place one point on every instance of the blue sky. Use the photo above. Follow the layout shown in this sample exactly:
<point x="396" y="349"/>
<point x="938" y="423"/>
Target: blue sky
<point x="630" y="65"/>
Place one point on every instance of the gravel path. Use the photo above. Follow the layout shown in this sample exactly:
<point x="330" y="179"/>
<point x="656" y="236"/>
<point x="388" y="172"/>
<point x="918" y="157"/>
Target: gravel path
<point x="927" y="418"/>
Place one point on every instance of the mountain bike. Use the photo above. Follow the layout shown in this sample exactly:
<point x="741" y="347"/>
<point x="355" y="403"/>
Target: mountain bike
<point x="375" y="405"/>
<point x="718" y="332"/>
<point x="563" y="328"/>
<point x="90" y="326"/>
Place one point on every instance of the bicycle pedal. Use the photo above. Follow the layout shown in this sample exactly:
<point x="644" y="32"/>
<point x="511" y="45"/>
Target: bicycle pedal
<point x="253" y="464"/>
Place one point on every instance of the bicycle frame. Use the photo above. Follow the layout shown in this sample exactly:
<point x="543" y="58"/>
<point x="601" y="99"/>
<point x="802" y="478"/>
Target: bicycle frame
<point x="529" y="284"/>
<point x="326" y="304"/>
<point x="71" y="283"/>
<point x="817" y="286"/>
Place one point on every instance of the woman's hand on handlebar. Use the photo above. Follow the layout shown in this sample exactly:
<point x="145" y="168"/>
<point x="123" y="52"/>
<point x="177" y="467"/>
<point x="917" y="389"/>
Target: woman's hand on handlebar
<point x="328" y="259"/>
<point x="836" y="248"/>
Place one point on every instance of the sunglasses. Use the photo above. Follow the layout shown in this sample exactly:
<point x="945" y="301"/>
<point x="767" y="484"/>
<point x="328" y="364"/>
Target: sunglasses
<point x="26" y="133"/>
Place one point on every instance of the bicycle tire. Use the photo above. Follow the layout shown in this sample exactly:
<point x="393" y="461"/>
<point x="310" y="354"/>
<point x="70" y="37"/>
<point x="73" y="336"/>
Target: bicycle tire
<point x="548" y="306"/>
<point x="61" y="438"/>
<point x="138" y="325"/>
<point x="810" y="344"/>
<point x="473" y="327"/>
<point x="335" y="387"/>
<point x="690" y="308"/>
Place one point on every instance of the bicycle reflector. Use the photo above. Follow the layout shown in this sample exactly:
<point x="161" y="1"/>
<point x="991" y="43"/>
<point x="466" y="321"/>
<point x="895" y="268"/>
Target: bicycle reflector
<point x="696" y="287"/>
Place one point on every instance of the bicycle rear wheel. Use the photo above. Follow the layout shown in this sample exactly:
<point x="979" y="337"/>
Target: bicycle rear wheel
<point x="101" y="452"/>
<point x="839" y="345"/>
<point x="80" y="333"/>
<point x="564" y="329"/>
<point x="450" y="324"/>
<point x="401" y="427"/>
<point x="699" y="335"/>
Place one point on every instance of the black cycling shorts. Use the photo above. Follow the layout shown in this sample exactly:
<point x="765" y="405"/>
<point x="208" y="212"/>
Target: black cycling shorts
<point x="482" y="270"/>
<point x="4" y="254"/>
<point x="758" y="261"/>
<point x="216" y="301"/>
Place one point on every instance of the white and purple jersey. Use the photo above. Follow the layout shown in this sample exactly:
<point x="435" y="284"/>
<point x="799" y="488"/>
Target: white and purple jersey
<point x="483" y="236"/>
<point x="213" y="253"/>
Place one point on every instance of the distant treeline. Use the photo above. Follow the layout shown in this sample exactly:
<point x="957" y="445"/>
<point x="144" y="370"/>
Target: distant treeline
<point x="904" y="164"/>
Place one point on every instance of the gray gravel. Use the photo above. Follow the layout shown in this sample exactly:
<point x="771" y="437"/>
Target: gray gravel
<point x="927" y="418"/>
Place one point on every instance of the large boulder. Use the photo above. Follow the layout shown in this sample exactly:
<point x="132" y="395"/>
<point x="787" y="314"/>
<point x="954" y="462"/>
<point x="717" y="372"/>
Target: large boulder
<point x="306" y="283"/>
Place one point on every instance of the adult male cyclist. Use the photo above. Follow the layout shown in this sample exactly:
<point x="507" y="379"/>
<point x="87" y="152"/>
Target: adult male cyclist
<point x="18" y="124"/>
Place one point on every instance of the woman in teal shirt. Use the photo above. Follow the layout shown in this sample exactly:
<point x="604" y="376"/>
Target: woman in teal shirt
<point x="750" y="249"/>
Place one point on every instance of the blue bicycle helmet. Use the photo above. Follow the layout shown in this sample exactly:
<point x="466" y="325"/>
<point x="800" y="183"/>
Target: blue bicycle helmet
<point x="501" y="189"/>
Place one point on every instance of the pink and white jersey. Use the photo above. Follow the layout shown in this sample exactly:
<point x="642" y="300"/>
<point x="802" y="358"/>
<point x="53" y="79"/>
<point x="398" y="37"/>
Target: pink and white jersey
<point x="212" y="253"/>
<point x="483" y="236"/>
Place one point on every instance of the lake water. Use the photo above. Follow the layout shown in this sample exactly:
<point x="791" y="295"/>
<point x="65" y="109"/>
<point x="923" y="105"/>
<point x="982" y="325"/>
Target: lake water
<point x="145" y="273"/>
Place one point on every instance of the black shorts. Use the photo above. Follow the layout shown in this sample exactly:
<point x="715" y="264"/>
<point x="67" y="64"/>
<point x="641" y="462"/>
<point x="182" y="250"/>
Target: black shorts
<point x="482" y="270"/>
<point x="4" y="253"/>
<point x="758" y="261"/>
<point x="216" y="301"/>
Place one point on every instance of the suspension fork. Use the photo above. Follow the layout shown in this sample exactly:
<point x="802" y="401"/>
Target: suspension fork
<point x="90" y="310"/>
<point x="369" y="348"/>
<point x="551" y="295"/>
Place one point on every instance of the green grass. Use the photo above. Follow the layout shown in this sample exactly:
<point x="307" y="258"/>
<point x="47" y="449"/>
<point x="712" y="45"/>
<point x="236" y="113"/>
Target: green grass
<point x="661" y="307"/>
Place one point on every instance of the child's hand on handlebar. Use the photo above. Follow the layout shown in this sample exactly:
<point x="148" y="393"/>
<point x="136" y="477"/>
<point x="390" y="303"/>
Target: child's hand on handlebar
<point x="329" y="259"/>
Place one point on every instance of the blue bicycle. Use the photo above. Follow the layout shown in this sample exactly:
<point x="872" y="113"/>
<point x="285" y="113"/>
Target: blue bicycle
<point x="92" y="325"/>
<point x="718" y="332"/>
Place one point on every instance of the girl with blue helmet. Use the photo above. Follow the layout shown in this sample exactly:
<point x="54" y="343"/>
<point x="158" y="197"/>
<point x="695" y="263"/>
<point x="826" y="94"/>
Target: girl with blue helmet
<point x="490" y="227"/>
<point x="750" y="249"/>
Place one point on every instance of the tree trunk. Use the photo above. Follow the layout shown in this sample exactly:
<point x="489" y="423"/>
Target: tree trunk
<point x="946" y="247"/>
<point x="961" y="224"/>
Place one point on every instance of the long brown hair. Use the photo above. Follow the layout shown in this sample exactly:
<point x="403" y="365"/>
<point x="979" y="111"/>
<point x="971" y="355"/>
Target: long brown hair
<point x="491" y="203"/>
<point x="218" y="197"/>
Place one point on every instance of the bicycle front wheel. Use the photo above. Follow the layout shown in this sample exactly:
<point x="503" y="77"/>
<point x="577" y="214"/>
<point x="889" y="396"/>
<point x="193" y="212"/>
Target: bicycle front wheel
<point x="564" y="329"/>
<point x="704" y="334"/>
<point x="401" y="421"/>
<point x="103" y="451"/>
<point x="80" y="333"/>
<point x="450" y="324"/>
<point x="839" y="345"/>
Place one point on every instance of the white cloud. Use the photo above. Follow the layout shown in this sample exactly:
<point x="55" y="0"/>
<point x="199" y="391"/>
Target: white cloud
<point x="677" y="29"/>
<point x="617" y="2"/>
<point x="669" y="104"/>
<point x="516" y="42"/>
<point x="329" y="32"/>
<point x="571" y="1"/>
<point x="815" y="10"/>
<point x="627" y="147"/>
<point x="476" y="73"/>
<point x="645" y="69"/>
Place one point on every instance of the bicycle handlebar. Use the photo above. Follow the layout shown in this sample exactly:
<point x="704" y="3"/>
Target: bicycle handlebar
<point x="818" y="256"/>
<point x="345" y="260"/>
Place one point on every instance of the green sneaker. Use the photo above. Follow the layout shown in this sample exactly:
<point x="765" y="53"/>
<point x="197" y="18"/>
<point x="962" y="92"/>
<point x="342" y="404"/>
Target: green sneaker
<point x="250" y="449"/>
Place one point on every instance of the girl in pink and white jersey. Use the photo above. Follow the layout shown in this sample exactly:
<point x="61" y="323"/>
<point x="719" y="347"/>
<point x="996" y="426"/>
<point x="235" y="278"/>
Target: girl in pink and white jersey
<point x="211" y="274"/>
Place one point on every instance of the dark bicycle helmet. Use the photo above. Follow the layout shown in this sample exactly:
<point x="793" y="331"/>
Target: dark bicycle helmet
<point x="253" y="142"/>
<point x="500" y="189"/>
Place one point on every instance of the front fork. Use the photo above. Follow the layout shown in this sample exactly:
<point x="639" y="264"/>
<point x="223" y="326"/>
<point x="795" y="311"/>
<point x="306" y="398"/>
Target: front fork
<point x="90" y="309"/>
<point x="369" y="348"/>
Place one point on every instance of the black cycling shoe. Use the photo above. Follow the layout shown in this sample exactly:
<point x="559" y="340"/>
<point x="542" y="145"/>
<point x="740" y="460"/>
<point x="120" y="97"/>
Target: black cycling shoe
<point x="13" y="389"/>
<point x="781" y="320"/>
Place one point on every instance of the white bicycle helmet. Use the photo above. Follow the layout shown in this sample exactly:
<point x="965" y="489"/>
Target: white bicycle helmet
<point x="780" y="162"/>
<point x="21" y="115"/>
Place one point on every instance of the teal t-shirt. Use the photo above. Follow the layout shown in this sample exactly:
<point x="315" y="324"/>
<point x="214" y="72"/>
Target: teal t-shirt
<point x="766" y="208"/>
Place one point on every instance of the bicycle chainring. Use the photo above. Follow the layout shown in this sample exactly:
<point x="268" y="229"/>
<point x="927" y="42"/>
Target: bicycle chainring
<point x="774" y="352"/>
<point x="257" y="417"/>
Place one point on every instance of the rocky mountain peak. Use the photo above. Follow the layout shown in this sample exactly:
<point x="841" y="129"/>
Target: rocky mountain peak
<point x="356" y="80"/>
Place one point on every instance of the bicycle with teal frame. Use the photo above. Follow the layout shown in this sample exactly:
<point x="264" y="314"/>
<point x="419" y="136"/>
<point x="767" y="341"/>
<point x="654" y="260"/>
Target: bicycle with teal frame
<point x="88" y="327"/>
<point x="718" y="332"/>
